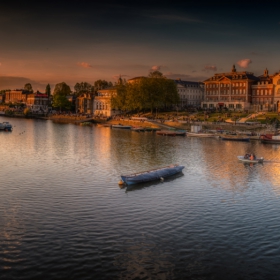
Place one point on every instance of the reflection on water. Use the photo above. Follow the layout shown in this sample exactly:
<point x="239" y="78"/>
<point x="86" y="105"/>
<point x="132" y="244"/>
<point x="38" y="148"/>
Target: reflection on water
<point x="63" y="213"/>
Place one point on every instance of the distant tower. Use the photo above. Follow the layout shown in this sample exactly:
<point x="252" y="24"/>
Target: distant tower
<point x="233" y="70"/>
<point x="266" y="72"/>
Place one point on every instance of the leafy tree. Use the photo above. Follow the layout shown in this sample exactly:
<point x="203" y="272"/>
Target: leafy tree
<point x="28" y="87"/>
<point x="60" y="101"/>
<point x="101" y="84"/>
<point x="3" y="91"/>
<point x="83" y="87"/>
<point x="119" y="100"/>
<point x="26" y="112"/>
<point x="155" y="74"/>
<point x="62" y="89"/>
<point x="147" y="93"/>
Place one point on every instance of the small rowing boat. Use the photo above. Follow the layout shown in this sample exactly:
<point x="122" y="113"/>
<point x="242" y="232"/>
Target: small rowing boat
<point x="248" y="160"/>
<point x="151" y="175"/>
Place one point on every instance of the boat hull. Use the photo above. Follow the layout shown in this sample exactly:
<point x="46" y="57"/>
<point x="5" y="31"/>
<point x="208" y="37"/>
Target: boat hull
<point x="269" y="140"/>
<point x="152" y="175"/>
<point x="243" y="139"/>
<point x="257" y="160"/>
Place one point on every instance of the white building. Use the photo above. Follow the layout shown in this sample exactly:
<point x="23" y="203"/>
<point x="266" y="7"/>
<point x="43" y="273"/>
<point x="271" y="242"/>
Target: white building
<point x="191" y="93"/>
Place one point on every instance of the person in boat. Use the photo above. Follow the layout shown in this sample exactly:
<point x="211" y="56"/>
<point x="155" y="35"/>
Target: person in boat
<point x="252" y="157"/>
<point x="247" y="156"/>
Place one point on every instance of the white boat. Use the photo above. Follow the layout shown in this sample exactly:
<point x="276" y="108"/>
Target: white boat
<point x="256" y="160"/>
<point x="121" y="126"/>
<point x="202" y="135"/>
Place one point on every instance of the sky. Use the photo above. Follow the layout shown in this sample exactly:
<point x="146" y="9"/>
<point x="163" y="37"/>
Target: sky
<point x="83" y="41"/>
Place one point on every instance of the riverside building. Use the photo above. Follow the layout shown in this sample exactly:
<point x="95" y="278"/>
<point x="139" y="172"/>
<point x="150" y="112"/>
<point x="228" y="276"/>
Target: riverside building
<point x="190" y="93"/>
<point x="242" y="91"/>
<point x="232" y="90"/>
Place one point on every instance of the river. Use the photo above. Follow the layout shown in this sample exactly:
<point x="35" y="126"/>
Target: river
<point x="63" y="215"/>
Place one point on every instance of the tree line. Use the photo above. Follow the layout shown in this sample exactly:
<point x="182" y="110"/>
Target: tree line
<point x="152" y="92"/>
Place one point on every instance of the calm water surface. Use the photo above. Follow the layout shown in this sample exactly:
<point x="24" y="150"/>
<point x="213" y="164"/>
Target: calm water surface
<point x="63" y="215"/>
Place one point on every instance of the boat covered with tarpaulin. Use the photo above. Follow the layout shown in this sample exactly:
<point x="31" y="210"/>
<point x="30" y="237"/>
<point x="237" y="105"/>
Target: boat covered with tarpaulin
<point x="152" y="175"/>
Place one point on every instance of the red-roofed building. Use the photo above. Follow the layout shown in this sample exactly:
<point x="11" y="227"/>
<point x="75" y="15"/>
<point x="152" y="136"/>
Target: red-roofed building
<point x="37" y="102"/>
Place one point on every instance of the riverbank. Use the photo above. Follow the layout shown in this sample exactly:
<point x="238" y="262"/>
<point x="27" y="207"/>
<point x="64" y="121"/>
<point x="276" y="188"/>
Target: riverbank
<point x="187" y="125"/>
<point x="157" y="123"/>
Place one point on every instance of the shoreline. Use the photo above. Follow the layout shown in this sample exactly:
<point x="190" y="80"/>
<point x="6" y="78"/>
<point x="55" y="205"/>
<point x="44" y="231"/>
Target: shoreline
<point x="146" y="123"/>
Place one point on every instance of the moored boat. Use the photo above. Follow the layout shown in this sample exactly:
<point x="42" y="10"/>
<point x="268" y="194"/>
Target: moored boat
<point x="151" y="175"/>
<point x="202" y="135"/>
<point x="166" y="133"/>
<point x="181" y="132"/>
<point x="235" y="138"/>
<point x="121" y="126"/>
<point x="6" y="126"/>
<point x="172" y="132"/>
<point x="270" y="138"/>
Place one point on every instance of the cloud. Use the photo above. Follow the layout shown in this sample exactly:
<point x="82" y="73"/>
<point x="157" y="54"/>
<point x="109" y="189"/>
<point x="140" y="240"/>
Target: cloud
<point x="244" y="63"/>
<point x="84" y="64"/>
<point x="156" y="68"/>
<point x="210" y="68"/>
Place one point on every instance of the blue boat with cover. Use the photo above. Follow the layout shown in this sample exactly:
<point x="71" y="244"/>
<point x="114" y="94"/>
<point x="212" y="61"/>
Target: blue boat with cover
<point x="151" y="175"/>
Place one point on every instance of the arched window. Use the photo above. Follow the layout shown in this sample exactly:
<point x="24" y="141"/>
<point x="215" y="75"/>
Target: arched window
<point x="278" y="92"/>
<point x="278" y="82"/>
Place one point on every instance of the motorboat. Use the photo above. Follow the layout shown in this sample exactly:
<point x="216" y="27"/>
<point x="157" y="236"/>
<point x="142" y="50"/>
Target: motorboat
<point x="6" y="126"/>
<point x="151" y="175"/>
<point x="248" y="160"/>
